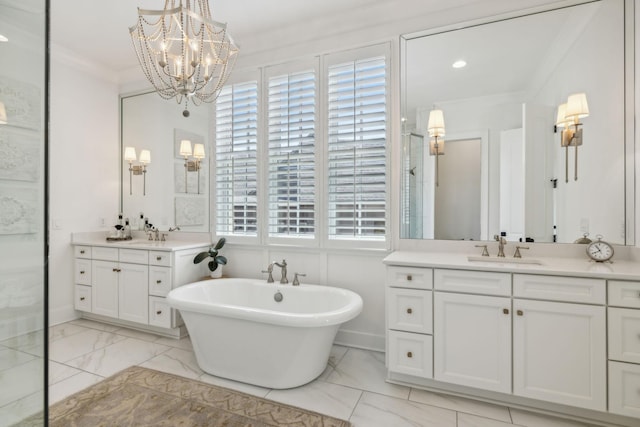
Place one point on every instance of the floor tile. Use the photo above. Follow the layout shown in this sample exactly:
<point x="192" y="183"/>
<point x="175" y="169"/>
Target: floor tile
<point x="74" y="384"/>
<point x="82" y="343"/>
<point x="95" y="325"/>
<point x="375" y="410"/>
<point x="176" y="361"/>
<point x="118" y="356"/>
<point x="468" y="420"/>
<point x="23" y="380"/>
<point x="235" y="385"/>
<point x="326" y="398"/>
<point x="365" y="370"/>
<point x="132" y="333"/>
<point x="64" y="330"/>
<point x="59" y="372"/>
<point x="23" y="341"/>
<point x="10" y="358"/>
<point x="532" y="419"/>
<point x="460" y="404"/>
<point x="14" y="412"/>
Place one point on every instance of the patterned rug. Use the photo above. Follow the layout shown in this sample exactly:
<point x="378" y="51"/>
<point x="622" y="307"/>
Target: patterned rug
<point x="144" y="397"/>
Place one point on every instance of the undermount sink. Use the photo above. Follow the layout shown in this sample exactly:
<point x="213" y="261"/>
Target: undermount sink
<point x="475" y="258"/>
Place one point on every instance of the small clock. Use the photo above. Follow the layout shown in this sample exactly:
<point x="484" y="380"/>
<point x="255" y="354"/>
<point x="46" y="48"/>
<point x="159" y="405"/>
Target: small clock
<point x="600" y="251"/>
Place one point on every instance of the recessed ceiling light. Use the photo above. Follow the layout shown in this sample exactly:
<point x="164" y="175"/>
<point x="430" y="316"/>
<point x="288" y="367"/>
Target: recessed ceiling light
<point x="459" y="63"/>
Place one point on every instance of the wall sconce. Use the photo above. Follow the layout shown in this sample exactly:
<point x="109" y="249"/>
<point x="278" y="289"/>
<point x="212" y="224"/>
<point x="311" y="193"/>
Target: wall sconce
<point x="568" y="120"/>
<point x="435" y="127"/>
<point x="141" y="169"/>
<point x="3" y="114"/>
<point x="191" y="165"/>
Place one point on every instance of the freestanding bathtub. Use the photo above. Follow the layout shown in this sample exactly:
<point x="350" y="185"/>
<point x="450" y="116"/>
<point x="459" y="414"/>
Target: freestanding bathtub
<point x="241" y="331"/>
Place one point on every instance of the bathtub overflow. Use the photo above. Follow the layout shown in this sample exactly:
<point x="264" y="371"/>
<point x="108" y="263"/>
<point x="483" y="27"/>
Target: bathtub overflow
<point x="277" y="296"/>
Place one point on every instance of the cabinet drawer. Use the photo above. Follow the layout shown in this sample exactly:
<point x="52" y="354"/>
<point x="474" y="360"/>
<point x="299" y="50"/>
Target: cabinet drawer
<point x="410" y="310"/>
<point x="410" y="354"/>
<point x="410" y="277"/>
<point x="159" y="280"/>
<point x="82" y="300"/>
<point x="473" y="282"/>
<point x="624" y="335"/>
<point x="82" y="252"/>
<point x="105" y="254"/>
<point x="134" y="256"/>
<point x="624" y="389"/>
<point x="159" y="312"/>
<point x="624" y="294"/>
<point x="555" y="288"/>
<point x="160" y="258"/>
<point x="82" y="273"/>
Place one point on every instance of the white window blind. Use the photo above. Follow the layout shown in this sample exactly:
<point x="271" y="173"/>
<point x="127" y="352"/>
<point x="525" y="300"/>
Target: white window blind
<point x="291" y="133"/>
<point x="357" y="134"/>
<point x="236" y="164"/>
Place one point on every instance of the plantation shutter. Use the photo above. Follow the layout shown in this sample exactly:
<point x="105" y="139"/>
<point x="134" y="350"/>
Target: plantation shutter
<point x="292" y="135"/>
<point x="357" y="135"/>
<point x="236" y="164"/>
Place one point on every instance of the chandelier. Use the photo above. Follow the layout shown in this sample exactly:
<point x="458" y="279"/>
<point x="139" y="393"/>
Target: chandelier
<point x="183" y="52"/>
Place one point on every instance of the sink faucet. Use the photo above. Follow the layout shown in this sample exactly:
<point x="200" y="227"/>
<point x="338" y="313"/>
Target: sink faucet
<point x="156" y="234"/>
<point x="501" y="242"/>
<point x="283" y="266"/>
<point x="270" y="271"/>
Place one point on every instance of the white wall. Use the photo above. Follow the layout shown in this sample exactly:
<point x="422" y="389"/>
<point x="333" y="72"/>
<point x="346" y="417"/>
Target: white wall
<point x="83" y="167"/>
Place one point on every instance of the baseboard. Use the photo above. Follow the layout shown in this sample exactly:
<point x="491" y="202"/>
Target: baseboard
<point x="62" y="315"/>
<point x="360" y="340"/>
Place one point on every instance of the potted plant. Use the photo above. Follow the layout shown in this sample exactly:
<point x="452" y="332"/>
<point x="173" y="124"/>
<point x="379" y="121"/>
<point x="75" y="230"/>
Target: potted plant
<point x="216" y="260"/>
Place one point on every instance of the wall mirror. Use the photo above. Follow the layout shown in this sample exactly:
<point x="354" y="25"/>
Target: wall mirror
<point x="168" y="193"/>
<point x="503" y="169"/>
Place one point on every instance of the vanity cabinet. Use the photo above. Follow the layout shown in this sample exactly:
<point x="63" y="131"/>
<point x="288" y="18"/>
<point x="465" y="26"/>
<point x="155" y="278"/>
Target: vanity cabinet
<point x="129" y="286"/>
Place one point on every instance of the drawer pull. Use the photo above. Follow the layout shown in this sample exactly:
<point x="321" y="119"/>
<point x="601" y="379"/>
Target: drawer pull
<point x="82" y="251"/>
<point x="409" y="277"/>
<point x="409" y="354"/>
<point x="81" y="271"/>
<point x="81" y="298"/>
<point x="519" y="312"/>
<point x="158" y="281"/>
<point x="159" y="312"/>
<point x="505" y="310"/>
<point x="158" y="258"/>
<point x="409" y="311"/>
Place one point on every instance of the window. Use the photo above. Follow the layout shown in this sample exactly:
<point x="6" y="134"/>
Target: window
<point x="292" y="134"/>
<point x="357" y="137"/>
<point x="236" y="161"/>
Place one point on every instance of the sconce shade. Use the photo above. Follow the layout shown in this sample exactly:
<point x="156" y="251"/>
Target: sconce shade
<point x="561" y="118"/>
<point x="577" y="106"/>
<point x="435" y="126"/>
<point x="130" y="154"/>
<point x="145" y="157"/>
<point x="3" y="114"/>
<point x="198" y="151"/>
<point x="185" y="147"/>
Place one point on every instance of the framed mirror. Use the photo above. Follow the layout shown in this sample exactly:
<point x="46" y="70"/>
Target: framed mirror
<point x="172" y="189"/>
<point x="504" y="169"/>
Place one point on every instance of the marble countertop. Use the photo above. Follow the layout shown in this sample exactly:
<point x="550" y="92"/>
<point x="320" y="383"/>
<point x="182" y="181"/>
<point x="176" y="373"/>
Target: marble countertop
<point x="174" y="242"/>
<point x="577" y="267"/>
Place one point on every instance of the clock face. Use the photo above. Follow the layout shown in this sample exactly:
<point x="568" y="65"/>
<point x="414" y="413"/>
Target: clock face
<point x="600" y="251"/>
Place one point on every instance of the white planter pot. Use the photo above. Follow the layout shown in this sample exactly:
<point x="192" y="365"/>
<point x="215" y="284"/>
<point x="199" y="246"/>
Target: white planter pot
<point x="217" y="273"/>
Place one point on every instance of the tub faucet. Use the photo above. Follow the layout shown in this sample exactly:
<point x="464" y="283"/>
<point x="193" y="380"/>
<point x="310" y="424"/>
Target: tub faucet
<point x="283" y="266"/>
<point x="501" y="242"/>
<point x="270" y="271"/>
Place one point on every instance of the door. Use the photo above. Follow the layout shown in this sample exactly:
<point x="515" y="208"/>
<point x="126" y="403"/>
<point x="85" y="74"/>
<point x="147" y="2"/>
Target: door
<point x="559" y="353"/>
<point x="133" y="293"/>
<point x="472" y="341"/>
<point x="104" y="290"/>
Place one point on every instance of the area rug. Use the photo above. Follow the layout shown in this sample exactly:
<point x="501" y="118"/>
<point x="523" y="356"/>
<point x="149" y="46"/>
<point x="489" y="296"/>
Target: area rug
<point x="144" y="397"/>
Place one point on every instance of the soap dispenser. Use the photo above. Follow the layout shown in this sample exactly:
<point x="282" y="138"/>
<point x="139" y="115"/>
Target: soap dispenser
<point x="127" y="229"/>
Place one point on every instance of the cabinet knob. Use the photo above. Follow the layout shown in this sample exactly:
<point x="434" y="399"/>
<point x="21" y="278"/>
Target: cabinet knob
<point x="82" y="251"/>
<point x="81" y="271"/>
<point x="158" y="281"/>
<point x="159" y="312"/>
<point x="519" y="312"/>
<point x="115" y="270"/>
<point x="409" y="277"/>
<point x="409" y="310"/>
<point x="409" y="354"/>
<point x="81" y="298"/>
<point x="158" y="258"/>
<point x="505" y="310"/>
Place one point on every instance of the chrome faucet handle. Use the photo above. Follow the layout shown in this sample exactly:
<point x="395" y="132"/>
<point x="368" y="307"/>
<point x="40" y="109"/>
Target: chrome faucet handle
<point x="164" y="237"/>
<point x="150" y="235"/>
<point x="296" y="282"/>
<point x="270" y="271"/>
<point x="485" y="250"/>
<point x="517" y="253"/>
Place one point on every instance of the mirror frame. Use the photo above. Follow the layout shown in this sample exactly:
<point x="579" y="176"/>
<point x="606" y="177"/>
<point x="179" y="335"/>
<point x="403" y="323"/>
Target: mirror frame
<point x="629" y="110"/>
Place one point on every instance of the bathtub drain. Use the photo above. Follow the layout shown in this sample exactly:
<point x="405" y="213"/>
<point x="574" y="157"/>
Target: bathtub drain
<point x="278" y="296"/>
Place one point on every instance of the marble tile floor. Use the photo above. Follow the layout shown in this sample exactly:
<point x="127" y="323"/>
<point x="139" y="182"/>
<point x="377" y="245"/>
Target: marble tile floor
<point x="83" y="352"/>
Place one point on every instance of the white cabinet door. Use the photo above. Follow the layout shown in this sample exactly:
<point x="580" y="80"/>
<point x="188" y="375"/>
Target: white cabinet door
<point x="133" y="294"/>
<point x="472" y="341"/>
<point x="104" y="290"/>
<point x="559" y="353"/>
